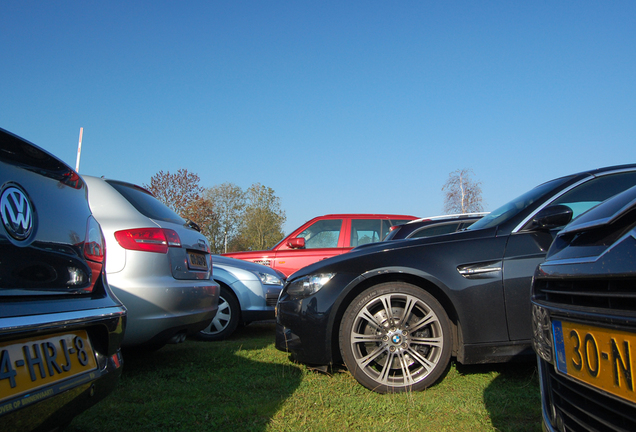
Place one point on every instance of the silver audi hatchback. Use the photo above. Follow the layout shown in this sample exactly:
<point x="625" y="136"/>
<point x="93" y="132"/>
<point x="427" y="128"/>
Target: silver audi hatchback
<point x="157" y="264"/>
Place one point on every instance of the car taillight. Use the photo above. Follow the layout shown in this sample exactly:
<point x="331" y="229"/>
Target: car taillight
<point x="148" y="239"/>
<point x="94" y="241"/>
<point x="93" y="252"/>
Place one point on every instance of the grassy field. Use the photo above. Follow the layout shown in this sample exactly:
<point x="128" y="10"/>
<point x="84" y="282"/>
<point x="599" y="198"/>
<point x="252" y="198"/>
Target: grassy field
<point x="245" y="384"/>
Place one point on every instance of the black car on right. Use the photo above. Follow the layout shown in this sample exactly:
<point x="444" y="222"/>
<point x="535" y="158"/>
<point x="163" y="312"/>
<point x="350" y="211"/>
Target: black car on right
<point x="396" y="312"/>
<point x="584" y="321"/>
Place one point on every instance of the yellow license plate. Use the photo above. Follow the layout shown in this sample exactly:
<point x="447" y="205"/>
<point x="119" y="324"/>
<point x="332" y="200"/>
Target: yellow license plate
<point x="28" y="364"/>
<point x="197" y="261"/>
<point x="600" y="357"/>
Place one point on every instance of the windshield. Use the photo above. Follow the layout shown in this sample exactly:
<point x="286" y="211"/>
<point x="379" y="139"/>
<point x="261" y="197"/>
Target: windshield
<point x="514" y="207"/>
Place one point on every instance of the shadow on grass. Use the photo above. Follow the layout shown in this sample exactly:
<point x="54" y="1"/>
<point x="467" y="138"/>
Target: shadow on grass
<point x="235" y="385"/>
<point x="513" y="398"/>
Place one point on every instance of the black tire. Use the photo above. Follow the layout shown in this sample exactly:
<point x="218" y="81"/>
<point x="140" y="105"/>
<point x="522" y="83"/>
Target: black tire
<point x="226" y="319"/>
<point x="386" y="343"/>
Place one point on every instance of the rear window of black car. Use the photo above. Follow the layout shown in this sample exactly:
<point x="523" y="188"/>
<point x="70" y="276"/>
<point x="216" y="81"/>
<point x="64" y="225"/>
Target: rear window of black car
<point x="145" y="203"/>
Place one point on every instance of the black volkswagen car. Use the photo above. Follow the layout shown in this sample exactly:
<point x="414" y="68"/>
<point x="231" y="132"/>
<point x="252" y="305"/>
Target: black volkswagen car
<point x="584" y="321"/>
<point x="60" y="326"/>
<point x="396" y="312"/>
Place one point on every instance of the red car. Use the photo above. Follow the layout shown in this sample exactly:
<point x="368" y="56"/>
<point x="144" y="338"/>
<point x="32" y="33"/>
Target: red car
<point x="324" y="237"/>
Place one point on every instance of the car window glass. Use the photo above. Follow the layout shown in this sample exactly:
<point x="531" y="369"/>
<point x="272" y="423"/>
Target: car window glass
<point x="322" y="234"/>
<point x="593" y="192"/>
<point x="434" y="230"/>
<point x="512" y="208"/>
<point x="146" y="204"/>
<point x="364" y="231"/>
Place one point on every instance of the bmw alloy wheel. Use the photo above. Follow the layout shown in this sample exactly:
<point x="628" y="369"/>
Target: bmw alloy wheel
<point x="395" y="337"/>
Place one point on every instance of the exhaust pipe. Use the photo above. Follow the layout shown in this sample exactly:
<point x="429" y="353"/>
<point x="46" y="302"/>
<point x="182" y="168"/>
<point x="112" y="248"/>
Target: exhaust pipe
<point x="178" y="338"/>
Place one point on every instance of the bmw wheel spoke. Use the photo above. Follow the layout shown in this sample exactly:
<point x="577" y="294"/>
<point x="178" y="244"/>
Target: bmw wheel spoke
<point x="427" y="341"/>
<point x="426" y="363"/>
<point x="364" y="338"/>
<point x="408" y="310"/>
<point x="366" y="360"/>
<point x="406" y="372"/>
<point x="386" y="369"/>
<point x="423" y="322"/>
<point x="371" y="319"/>
<point x="388" y="308"/>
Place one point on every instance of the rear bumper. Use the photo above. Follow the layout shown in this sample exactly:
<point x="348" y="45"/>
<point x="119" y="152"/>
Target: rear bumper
<point x="44" y="408"/>
<point x="160" y="309"/>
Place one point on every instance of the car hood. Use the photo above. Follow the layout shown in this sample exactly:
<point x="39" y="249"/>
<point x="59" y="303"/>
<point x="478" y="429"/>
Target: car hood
<point x="365" y="251"/>
<point x="223" y="261"/>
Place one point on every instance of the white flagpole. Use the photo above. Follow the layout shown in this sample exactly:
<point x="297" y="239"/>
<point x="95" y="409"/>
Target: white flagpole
<point x="79" y="149"/>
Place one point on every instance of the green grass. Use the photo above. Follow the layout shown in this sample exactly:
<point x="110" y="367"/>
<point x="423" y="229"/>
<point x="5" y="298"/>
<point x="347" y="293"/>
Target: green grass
<point x="245" y="384"/>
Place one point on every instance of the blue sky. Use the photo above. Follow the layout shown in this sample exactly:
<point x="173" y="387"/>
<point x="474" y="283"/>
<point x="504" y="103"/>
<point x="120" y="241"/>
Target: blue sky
<point x="361" y="106"/>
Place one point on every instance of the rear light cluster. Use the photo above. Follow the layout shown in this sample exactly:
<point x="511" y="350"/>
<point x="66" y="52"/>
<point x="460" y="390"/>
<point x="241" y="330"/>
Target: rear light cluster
<point x="93" y="252"/>
<point x="148" y="239"/>
<point x="94" y="241"/>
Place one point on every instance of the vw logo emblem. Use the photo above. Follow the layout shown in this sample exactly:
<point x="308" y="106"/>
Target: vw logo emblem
<point x="396" y="339"/>
<point x="17" y="213"/>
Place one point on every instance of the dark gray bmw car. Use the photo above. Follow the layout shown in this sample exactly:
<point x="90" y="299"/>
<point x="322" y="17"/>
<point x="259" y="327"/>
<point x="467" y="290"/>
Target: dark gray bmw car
<point x="60" y="326"/>
<point x="396" y="312"/>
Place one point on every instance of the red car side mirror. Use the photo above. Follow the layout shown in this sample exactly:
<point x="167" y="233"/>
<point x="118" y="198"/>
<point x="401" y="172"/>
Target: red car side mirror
<point x="296" y="243"/>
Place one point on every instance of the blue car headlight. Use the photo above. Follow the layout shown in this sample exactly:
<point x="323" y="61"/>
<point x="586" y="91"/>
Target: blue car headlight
<point x="308" y="285"/>
<point x="270" y="279"/>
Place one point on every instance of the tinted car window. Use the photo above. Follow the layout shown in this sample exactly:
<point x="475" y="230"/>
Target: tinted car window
<point x="364" y="231"/>
<point x="322" y="234"/>
<point x="595" y="191"/>
<point x="434" y="230"/>
<point x="145" y="203"/>
<point x="512" y="208"/>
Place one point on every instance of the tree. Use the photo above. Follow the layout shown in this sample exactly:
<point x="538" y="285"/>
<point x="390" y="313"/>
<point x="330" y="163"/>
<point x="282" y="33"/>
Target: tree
<point x="463" y="194"/>
<point x="202" y="212"/>
<point x="177" y="191"/>
<point x="262" y="223"/>
<point x="228" y="201"/>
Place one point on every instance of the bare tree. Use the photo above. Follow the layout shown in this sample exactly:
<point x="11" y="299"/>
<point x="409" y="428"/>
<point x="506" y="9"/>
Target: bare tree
<point x="177" y="191"/>
<point x="463" y="194"/>
<point x="228" y="201"/>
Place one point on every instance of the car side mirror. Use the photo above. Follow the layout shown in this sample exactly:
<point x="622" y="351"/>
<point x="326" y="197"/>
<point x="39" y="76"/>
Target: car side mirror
<point x="552" y="217"/>
<point x="296" y="243"/>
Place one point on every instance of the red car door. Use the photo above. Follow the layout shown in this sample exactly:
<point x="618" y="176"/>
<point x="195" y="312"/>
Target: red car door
<point x="322" y="239"/>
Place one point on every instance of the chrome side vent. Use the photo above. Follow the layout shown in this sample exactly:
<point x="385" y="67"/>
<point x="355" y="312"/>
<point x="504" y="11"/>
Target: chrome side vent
<point x="484" y="270"/>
